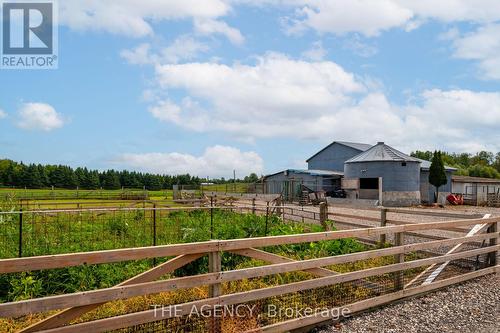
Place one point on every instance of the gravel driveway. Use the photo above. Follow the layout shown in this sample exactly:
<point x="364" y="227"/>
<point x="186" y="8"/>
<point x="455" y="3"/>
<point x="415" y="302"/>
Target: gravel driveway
<point x="473" y="306"/>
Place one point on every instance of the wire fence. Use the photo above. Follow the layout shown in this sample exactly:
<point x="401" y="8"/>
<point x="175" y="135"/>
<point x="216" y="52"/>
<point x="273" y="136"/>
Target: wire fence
<point x="76" y="194"/>
<point x="333" y="301"/>
<point x="46" y="232"/>
<point x="30" y="233"/>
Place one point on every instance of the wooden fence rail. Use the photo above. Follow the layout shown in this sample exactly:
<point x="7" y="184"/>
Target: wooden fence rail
<point x="76" y="304"/>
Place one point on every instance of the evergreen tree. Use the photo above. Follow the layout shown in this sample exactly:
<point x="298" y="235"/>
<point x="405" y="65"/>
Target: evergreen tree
<point x="44" y="178"/>
<point x="437" y="174"/>
<point x="111" y="181"/>
<point x="92" y="181"/>
<point x="33" y="179"/>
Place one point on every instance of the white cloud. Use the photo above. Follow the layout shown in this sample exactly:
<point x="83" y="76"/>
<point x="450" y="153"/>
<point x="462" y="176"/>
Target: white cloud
<point x="216" y="161"/>
<point x="370" y="18"/>
<point x="183" y="48"/>
<point x="133" y="17"/>
<point x="283" y="97"/>
<point x="482" y="45"/>
<point x="360" y="48"/>
<point x="343" y="16"/>
<point x="140" y="55"/>
<point x="39" y="116"/>
<point x="3" y="114"/>
<point x="211" y="26"/>
<point x="461" y="120"/>
<point x="263" y="100"/>
<point x="316" y="52"/>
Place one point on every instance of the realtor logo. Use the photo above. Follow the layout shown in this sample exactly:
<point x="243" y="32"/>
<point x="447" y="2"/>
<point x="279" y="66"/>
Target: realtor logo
<point x="29" y="35"/>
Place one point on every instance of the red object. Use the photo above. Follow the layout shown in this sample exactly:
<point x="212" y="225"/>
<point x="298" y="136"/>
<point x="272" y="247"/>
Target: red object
<point x="455" y="199"/>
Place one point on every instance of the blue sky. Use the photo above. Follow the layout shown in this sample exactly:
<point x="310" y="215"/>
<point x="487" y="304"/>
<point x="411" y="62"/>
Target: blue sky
<point x="208" y="87"/>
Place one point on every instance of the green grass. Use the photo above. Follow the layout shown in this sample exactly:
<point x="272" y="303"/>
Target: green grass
<point x="66" y="194"/>
<point x="53" y="233"/>
<point x="230" y="188"/>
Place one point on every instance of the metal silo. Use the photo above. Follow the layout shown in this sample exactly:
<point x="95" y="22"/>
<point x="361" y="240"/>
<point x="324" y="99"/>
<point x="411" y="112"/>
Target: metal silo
<point x="386" y="174"/>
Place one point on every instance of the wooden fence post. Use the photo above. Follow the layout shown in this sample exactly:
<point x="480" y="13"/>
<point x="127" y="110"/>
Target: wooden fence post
<point x="323" y="215"/>
<point x="215" y="290"/>
<point x="383" y="223"/>
<point x="278" y="206"/>
<point x="253" y="206"/>
<point x="267" y="219"/>
<point x="493" y="241"/>
<point x="20" y="254"/>
<point x="399" y="258"/>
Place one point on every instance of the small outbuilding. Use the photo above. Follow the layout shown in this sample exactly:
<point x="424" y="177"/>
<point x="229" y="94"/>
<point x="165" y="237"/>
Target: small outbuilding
<point x="291" y="182"/>
<point x="477" y="190"/>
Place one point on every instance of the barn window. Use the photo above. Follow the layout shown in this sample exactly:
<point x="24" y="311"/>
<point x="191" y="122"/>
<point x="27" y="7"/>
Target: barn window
<point x="403" y="164"/>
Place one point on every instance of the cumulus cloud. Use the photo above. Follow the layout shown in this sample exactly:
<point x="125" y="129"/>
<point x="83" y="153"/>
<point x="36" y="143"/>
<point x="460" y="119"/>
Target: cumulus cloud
<point x="39" y="116"/>
<point x="183" y="48"/>
<point x="3" y="114"/>
<point x="140" y="55"/>
<point x="482" y="45"/>
<point x="343" y="16"/>
<point x="316" y="52"/>
<point x="211" y="26"/>
<point x="132" y="17"/>
<point x="216" y="161"/>
<point x="254" y="101"/>
<point x="370" y="18"/>
<point x="283" y="97"/>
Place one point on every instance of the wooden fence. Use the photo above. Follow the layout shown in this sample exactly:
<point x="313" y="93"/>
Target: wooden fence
<point x="75" y="305"/>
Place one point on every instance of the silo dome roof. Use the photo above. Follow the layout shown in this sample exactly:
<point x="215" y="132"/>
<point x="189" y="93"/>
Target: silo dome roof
<point x="384" y="153"/>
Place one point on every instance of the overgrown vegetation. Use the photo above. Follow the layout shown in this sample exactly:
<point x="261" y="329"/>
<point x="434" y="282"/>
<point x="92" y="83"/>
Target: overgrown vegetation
<point x="66" y="232"/>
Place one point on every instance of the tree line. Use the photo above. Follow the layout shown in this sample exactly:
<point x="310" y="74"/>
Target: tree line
<point x="483" y="164"/>
<point x="20" y="175"/>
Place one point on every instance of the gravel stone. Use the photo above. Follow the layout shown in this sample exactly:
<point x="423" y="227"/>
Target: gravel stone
<point x="473" y="306"/>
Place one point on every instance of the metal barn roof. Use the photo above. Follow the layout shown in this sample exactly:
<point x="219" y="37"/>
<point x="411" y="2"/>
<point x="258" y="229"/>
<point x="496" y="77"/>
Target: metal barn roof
<point x="470" y="179"/>
<point x="309" y="172"/>
<point x="354" y="145"/>
<point x="384" y="153"/>
<point x="426" y="165"/>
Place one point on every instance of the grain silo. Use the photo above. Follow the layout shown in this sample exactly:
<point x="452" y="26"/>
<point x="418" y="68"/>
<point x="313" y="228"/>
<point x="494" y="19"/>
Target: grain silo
<point x="386" y="174"/>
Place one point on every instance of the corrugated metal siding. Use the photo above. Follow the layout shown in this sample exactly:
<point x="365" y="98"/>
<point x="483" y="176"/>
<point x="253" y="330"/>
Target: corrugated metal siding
<point x="428" y="191"/>
<point x="395" y="176"/>
<point x="332" y="158"/>
<point x="281" y="183"/>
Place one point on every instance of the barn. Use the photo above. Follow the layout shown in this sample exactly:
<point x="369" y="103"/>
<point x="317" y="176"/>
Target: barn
<point x="374" y="172"/>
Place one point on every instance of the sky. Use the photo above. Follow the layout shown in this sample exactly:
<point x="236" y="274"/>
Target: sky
<point x="208" y="87"/>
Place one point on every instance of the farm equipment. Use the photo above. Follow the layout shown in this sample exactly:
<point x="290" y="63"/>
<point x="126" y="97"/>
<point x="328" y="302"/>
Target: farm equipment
<point x="455" y="199"/>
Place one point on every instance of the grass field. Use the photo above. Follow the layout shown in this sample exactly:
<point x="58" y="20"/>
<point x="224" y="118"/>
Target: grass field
<point x="230" y="187"/>
<point x="66" y="194"/>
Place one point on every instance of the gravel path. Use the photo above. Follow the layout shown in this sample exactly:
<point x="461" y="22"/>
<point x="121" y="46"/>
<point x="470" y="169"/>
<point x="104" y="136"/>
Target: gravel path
<point x="473" y="307"/>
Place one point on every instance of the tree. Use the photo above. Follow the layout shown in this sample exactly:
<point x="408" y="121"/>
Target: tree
<point x="92" y="181"/>
<point x="252" y="178"/>
<point x="483" y="158"/>
<point x="496" y="164"/>
<point x="111" y="181"/>
<point x="437" y="174"/>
